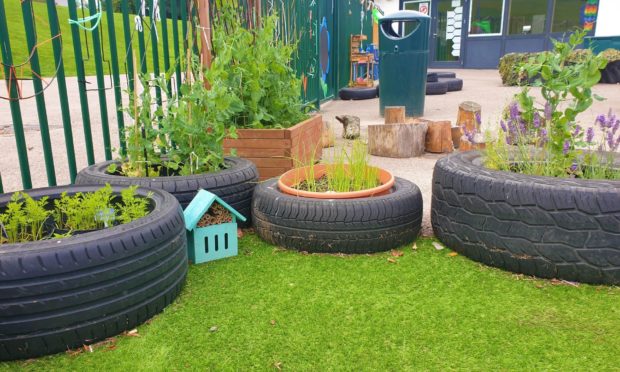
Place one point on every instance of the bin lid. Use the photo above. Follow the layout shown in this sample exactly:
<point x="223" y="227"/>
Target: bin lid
<point x="404" y="15"/>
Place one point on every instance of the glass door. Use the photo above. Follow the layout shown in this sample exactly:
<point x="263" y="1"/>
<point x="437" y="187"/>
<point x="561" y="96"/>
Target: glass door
<point x="446" y="33"/>
<point x="446" y="27"/>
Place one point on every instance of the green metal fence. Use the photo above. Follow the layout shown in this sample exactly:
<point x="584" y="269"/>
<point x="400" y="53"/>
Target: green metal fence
<point x="103" y="43"/>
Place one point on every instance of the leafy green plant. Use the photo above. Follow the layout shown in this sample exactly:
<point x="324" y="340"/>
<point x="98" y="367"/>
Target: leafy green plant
<point x="132" y="207"/>
<point x="23" y="219"/>
<point x="255" y="66"/>
<point x="546" y="140"/>
<point x="84" y="211"/>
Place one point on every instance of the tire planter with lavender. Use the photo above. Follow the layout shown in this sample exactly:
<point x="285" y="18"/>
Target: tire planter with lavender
<point x="59" y="294"/>
<point x="546" y="227"/>
<point x="366" y="224"/>
<point x="235" y="184"/>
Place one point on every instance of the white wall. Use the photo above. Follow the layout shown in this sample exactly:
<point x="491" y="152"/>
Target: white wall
<point x="607" y="22"/>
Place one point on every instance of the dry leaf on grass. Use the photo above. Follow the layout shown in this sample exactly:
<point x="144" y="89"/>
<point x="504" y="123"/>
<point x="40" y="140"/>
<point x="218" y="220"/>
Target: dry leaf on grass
<point x="415" y="247"/>
<point x="273" y="322"/>
<point x="438" y="246"/>
<point x="453" y="254"/>
<point x="391" y="260"/>
<point x="396" y="253"/>
<point x="213" y="329"/>
<point x="278" y="365"/>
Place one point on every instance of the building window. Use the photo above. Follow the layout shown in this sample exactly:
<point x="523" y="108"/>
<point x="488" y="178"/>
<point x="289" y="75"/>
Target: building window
<point x="485" y="17"/>
<point x="567" y="15"/>
<point x="527" y="17"/>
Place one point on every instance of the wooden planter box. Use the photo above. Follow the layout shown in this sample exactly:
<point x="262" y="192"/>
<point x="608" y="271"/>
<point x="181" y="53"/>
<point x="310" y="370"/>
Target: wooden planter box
<point x="275" y="151"/>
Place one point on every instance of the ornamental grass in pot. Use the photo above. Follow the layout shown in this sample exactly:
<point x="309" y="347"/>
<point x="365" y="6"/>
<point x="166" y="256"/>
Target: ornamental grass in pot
<point x="543" y="198"/>
<point x="346" y="206"/>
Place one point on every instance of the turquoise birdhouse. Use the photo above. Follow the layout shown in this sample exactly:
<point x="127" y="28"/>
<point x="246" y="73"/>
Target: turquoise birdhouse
<point x="211" y="226"/>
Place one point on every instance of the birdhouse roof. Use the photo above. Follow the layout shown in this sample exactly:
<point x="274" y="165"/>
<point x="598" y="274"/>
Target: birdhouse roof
<point x="201" y="204"/>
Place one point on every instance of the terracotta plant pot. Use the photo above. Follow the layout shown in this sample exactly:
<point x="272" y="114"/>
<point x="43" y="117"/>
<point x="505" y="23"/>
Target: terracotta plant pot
<point x="297" y="175"/>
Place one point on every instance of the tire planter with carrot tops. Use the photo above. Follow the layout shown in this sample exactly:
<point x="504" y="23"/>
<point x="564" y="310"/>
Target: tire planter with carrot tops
<point x="383" y="219"/>
<point x="58" y="294"/>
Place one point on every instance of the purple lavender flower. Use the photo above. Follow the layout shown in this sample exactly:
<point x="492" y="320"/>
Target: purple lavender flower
<point x="548" y="113"/>
<point x="616" y="126"/>
<point x="478" y="118"/>
<point x="610" y="140"/>
<point x="600" y="120"/>
<point x="566" y="147"/>
<point x="616" y="144"/>
<point x="577" y="131"/>
<point x="573" y="167"/>
<point x="536" y="120"/>
<point x="514" y="111"/>
<point x="543" y="136"/>
<point x="589" y="135"/>
<point x="503" y="125"/>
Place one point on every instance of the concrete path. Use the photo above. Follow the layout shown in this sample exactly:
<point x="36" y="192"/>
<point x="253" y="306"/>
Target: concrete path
<point x="482" y="86"/>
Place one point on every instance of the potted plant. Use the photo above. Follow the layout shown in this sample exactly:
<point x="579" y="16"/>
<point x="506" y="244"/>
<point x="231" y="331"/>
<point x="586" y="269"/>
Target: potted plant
<point x="120" y="258"/>
<point x="543" y="198"/>
<point x="179" y="148"/>
<point x="273" y="126"/>
<point x="346" y="206"/>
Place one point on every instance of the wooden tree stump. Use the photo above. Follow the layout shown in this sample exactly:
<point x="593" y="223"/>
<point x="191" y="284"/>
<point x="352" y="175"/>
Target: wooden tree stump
<point x="457" y="133"/>
<point x="468" y="111"/>
<point x="397" y="140"/>
<point x="328" y="137"/>
<point x="394" y="114"/>
<point x="351" y="125"/>
<point x="439" y="137"/>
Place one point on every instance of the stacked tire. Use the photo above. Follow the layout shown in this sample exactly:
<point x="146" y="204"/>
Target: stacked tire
<point x="442" y="82"/>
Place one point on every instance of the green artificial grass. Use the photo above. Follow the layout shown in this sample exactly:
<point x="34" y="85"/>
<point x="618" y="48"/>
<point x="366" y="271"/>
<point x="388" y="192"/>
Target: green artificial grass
<point x="427" y="309"/>
<point x="21" y="52"/>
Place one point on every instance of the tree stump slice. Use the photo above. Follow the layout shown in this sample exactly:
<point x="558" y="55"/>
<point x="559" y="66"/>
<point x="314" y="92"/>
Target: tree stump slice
<point x="466" y="145"/>
<point x="467" y="116"/>
<point x="394" y="114"/>
<point x="439" y="137"/>
<point x="397" y="140"/>
<point x="351" y="126"/>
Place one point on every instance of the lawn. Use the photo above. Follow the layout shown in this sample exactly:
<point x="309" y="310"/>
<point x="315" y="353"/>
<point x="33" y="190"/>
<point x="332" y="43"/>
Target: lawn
<point x="427" y="309"/>
<point x="46" y="55"/>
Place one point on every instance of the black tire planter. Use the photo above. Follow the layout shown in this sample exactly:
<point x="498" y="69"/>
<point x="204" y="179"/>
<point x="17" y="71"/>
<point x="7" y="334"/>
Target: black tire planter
<point x="454" y="84"/>
<point x="445" y="74"/>
<point x="611" y="73"/>
<point x="541" y="226"/>
<point x="235" y="185"/>
<point x="432" y="77"/>
<point x="363" y="225"/>
<point x="437" y="88"/>
<point x="358" y="93"/>
<point x="61" y="294"/>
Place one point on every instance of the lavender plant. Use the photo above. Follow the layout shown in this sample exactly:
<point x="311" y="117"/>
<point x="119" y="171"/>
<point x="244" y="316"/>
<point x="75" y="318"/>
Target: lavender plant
<point x="546" y="139"/>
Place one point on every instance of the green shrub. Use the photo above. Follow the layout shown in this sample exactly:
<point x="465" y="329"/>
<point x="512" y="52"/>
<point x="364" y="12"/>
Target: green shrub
<point x="611" y="55"/>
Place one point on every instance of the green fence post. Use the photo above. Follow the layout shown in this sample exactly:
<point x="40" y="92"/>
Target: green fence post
<point x="103" y="105"/>
<point x="81" y="78"/>
<point x="164" y="34"/>
<point x="31" y="40"/>
<point x="52" y="15"/>
<point x="120" y="120"/>
<point x="175" y="40"/>
<point x="16" y="114"/>
<point x="155" y="52"/>
<point x="141" y="45"/>
<point x="128" y="44"/>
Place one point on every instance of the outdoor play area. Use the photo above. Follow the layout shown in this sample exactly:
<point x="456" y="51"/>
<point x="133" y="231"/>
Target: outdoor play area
<point x="309" y="185"/>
